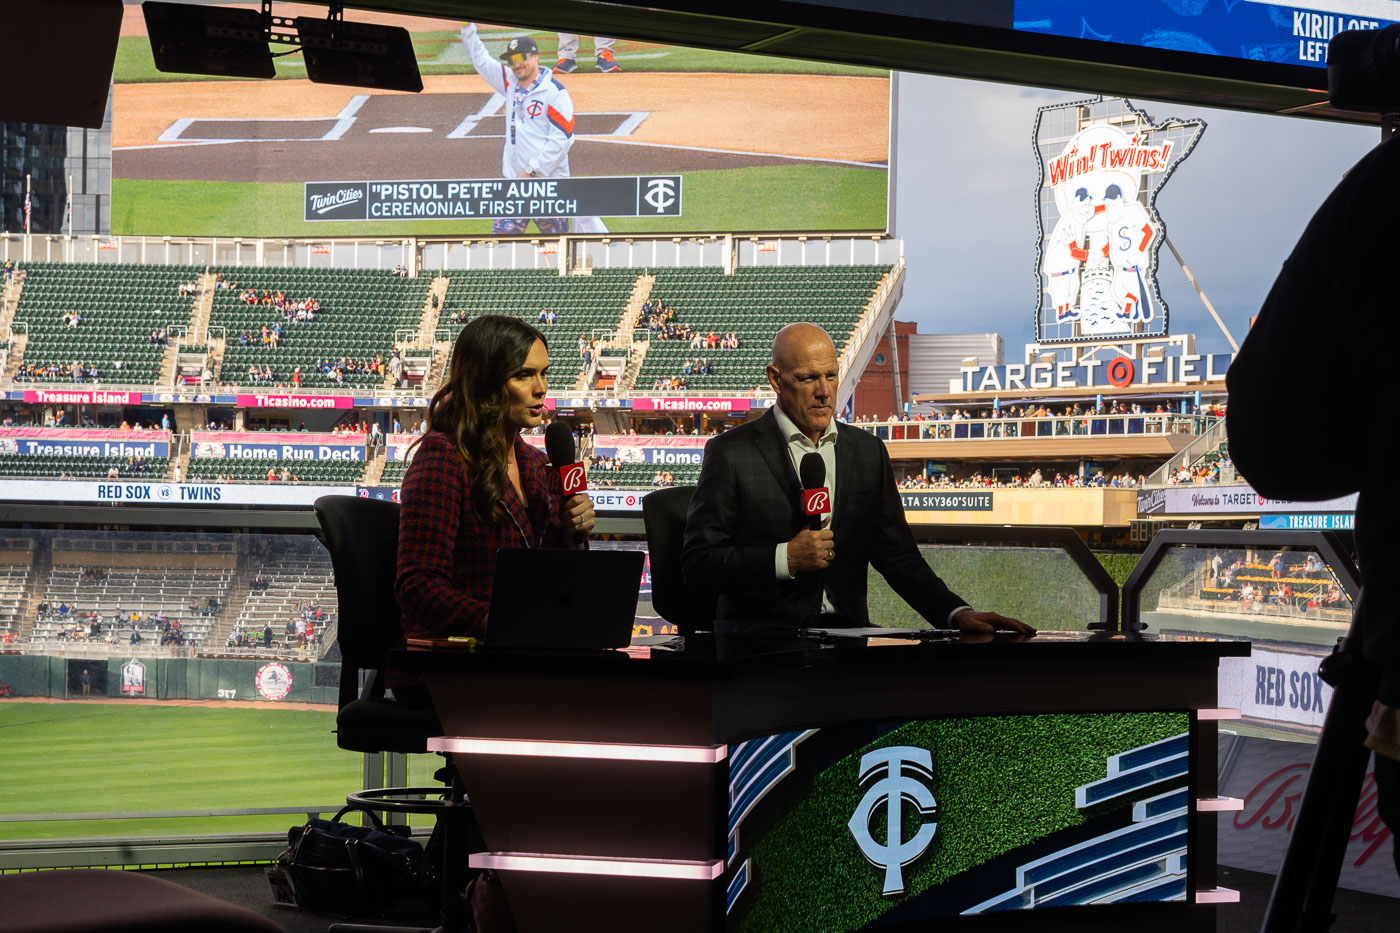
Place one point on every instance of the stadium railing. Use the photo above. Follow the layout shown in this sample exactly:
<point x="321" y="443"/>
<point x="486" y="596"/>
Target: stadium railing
<point x="996" y="429"/>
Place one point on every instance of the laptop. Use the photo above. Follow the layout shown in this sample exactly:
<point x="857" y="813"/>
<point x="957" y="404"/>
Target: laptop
<point x="551" y="600"/>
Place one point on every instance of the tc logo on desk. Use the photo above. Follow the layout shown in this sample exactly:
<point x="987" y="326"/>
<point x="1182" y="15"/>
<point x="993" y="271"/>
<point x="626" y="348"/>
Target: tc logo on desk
<point x="905" y="770"/>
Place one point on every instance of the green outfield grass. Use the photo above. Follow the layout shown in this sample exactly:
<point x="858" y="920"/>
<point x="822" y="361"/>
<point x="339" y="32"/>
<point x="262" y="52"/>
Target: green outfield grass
<point x="92" y="757"/>
<point x="1000" y="783"/>
<point x="441" y="52"/>
<point x="767" y="198"/>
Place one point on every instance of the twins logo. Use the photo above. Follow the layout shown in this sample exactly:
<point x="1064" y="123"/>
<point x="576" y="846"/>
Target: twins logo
<point x="905" y="769"/>
<point x="816" y="501"/>
<point x="661" y="193"/>
<point x="573" y="479"/>
<point x="534" y="108"/>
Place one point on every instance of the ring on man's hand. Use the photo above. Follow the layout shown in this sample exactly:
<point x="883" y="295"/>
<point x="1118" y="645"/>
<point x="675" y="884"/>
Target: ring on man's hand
<point x="831" y="553"/>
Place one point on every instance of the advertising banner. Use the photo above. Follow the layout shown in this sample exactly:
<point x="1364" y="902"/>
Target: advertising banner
<point x="84" y="442"/>
<point x="21" y="490"/>
<point x="946" y="501"/>
<point x="306" y="402"/>
<point x="1242" y="499"/>
<point x="691" y="404"/>
<point x="242" y="445"/>
<point x="1277" y="686"/>
<point x="1269" y="776"/>
<point x="599" y="196"/>
<point x="1344" y="522"/>
<point x="1101" y="163"/>
<point x="630" y="448"/>
<point x="80" y="397"/>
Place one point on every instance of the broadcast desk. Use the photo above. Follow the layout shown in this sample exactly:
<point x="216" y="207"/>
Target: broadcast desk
<point x="1062" y="782"/>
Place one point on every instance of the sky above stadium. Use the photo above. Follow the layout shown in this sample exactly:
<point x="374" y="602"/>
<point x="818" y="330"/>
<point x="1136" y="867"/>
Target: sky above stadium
<point x="967" y="180"/>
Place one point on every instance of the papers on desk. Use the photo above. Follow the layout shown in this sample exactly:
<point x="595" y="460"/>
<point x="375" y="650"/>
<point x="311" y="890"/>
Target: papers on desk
<point x="872" y="632"/>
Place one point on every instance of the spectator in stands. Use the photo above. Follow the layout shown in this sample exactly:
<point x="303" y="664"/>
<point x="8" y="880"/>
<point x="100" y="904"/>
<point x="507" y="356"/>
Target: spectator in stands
<point x="272" y="474"/>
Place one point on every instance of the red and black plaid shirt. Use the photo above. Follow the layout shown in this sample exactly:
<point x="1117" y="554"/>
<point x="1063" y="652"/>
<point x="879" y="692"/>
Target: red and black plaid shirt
<point x="447" y="556"/>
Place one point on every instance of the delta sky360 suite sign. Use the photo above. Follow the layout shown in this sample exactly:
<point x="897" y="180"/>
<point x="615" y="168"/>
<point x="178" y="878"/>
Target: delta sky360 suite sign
<point x="675" y="140"/>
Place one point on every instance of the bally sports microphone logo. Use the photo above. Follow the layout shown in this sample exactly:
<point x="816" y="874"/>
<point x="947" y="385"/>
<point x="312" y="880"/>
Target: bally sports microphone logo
<point x="573" y="478"/>
<point x="816" y="501"/>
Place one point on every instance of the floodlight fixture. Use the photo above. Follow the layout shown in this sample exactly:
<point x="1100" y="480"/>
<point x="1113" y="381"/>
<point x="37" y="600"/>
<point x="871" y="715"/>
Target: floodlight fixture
<point x="232" y="42"/>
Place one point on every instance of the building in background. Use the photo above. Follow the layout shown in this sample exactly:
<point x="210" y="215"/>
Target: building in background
<point x="51" y="156"/>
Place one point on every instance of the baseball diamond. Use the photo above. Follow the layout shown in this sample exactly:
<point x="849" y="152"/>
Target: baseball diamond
<point x="290" y="131"/>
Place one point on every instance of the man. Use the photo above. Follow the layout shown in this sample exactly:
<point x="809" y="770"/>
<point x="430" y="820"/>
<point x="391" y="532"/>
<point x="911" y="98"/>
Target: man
<point x="1332" y="298"/>
<point x="747" y="537"/>
<point x="539" y="123"/>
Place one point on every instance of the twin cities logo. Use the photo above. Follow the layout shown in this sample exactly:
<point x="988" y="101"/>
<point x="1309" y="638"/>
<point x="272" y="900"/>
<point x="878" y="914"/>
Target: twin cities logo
<point x="816" y="501"/>
<point x="335" y="201"/>
<point x="662" y="193"/>
<point x="906" y="771"/>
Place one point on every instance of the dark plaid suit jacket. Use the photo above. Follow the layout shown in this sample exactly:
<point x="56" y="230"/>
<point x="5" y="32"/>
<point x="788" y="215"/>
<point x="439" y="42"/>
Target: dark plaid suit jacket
<point x="447" y="556"/>
<point x="748" y="500"/>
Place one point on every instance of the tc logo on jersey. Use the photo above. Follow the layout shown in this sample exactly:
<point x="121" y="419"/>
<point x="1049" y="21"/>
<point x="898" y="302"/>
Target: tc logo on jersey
<point x="534" y="108"/>
<point x="816" y="501"/>
<point x="573" y="479"/>
<point x="661" y="193"/>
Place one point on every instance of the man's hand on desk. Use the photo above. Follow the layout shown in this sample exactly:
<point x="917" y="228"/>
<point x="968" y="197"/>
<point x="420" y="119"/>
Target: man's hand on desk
<point x="970" y="620"/>
<point x="811" y="550"/>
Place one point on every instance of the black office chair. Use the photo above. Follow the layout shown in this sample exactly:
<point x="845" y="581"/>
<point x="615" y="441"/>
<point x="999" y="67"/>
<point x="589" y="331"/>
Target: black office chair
<point x="690" y="610"/>
<point x="362" y="536"/>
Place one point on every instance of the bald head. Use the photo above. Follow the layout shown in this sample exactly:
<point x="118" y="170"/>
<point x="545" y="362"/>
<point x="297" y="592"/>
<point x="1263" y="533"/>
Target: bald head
<point x="804" y="375"/>
<point x="798" y="340"/>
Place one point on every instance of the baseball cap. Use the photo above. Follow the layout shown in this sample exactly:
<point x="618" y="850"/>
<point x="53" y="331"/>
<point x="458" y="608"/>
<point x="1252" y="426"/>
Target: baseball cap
<point x="521" y="46"/>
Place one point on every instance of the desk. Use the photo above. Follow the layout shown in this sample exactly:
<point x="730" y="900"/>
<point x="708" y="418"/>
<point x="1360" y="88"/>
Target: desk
<point x="720" y="787"/>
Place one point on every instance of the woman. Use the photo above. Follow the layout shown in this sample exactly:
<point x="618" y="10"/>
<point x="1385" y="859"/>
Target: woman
<point x="474" y="486"/>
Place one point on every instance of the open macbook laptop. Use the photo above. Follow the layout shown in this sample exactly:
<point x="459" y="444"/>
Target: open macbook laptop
<point x="543" y="599"/>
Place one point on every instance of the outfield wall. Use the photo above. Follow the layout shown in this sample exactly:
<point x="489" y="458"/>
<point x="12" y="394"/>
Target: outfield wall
<point x="174" y="678"/>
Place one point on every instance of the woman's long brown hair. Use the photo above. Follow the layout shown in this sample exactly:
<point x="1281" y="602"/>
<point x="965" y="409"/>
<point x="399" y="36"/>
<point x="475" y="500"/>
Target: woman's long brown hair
<point x="470" y="406"/>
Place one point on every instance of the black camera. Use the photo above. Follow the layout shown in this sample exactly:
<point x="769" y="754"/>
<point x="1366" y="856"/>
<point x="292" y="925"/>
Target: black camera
<point x="1363" y="70"/>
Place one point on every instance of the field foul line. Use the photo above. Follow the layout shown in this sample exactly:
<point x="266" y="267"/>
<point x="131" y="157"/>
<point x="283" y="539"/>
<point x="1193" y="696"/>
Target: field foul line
<point x="495" y="103"/>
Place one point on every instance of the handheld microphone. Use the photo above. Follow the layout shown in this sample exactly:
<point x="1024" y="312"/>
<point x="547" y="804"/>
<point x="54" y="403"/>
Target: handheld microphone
<point x="816" y="498"/>
<point x="571" y="477"/>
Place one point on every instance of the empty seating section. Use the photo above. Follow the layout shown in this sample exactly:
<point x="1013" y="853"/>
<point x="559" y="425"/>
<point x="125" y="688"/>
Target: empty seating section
<point x="361" y="310"/>
<point x="298" y="573"/>
<point x="119" y="306"/>
<point x="14" y="579"/>
<point x="52" y="466"/>
<point x="755" y="303"/>
<point x="582" y="304"/>
<point x="393" y="472"/>
<point x="638" y="475"/>
<point x="126" y="590"/>
<point x="330" y="472"/>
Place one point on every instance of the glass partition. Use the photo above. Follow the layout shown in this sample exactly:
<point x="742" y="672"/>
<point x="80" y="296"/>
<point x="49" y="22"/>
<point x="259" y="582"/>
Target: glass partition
<point x="165" y="690"/>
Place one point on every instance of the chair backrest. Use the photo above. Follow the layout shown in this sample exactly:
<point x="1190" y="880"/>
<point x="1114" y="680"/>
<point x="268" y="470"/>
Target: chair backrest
<point x="363" y="538"/>
<point x="664" y="512"/>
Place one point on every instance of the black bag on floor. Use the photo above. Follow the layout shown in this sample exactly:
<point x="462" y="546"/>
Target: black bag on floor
<point x="356" y="871"/>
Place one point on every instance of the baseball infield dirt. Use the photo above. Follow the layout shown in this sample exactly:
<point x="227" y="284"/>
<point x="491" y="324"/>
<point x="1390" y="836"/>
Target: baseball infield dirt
<point x="814" y="116"/>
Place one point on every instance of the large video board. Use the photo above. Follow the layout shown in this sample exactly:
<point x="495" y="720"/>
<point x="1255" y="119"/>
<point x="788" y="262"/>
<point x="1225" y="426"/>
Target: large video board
<point x="655" y="139"/>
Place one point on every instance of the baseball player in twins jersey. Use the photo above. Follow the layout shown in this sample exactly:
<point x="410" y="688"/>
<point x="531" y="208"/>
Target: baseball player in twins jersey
<point x="539" y="120"/>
